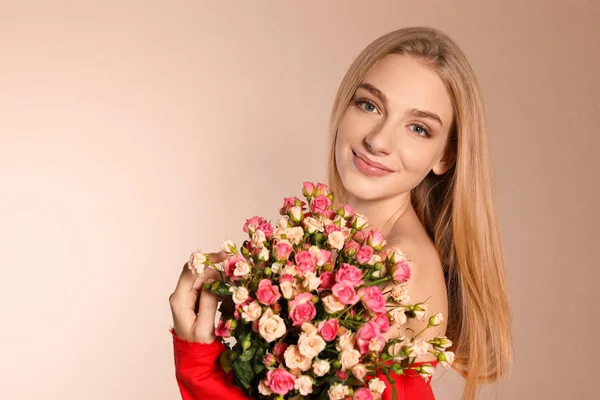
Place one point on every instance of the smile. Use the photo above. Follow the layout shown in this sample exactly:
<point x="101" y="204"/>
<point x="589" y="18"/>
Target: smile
<point x="368" y="169"/>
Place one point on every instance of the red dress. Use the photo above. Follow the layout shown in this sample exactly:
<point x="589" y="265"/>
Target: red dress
<point x="200" y="376"/>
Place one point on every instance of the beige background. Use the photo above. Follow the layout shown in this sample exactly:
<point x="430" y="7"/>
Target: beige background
<point x="134" y="132"/>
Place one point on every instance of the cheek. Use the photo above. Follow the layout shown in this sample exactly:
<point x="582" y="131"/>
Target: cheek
<point x="417" y="158"/>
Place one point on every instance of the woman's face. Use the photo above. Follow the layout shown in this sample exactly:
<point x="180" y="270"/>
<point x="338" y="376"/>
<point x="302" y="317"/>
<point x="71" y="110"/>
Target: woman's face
<point x="399" y="117"/>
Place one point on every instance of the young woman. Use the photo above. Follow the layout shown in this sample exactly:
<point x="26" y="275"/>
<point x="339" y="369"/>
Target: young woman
<point x="409" y="150"/>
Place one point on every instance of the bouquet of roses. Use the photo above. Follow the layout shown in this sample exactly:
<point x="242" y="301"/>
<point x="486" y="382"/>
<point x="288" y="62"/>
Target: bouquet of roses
<point x="306" y="308"/>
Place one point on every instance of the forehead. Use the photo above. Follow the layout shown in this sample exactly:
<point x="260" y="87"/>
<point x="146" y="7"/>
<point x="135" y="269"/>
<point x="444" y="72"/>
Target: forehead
<point x="407" y="83"/>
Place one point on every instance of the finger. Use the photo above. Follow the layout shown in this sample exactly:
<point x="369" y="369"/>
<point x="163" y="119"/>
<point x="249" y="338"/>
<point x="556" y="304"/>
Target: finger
<point x="205" y="323"/>
<point x="189" y="279"/>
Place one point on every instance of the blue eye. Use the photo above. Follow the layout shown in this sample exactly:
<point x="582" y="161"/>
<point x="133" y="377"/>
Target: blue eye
<point x="421" y="130"/>
<point x="370" y="106"/>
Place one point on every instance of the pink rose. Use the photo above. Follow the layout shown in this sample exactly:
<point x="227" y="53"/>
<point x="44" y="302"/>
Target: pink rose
<point x="347" y="211"/>
<point x="363" y="394"/>
<point x="280" y="381"/>
<point x="286" y="278"/>
<point x="351" y="248"/>
<point x="270" y="360"/>
<point x="383" y="321"/>
<point x="372" y="298"/>
<point x="364" y="254"/>
<point x="231" y="264"/>
<point x="251" y="224"/>
<point x="308" y="189"/>
<point x="279" y="349"/>
<point x="345" y="293"/>
<point x="267" y="293"/>
<point x="325" y="257"/>
<point x="224" y="329"/>
<point x="369" y="330"/>
<point x="332" y="228"/>
<point x="282" y="251"/>
<point x="341" y="375"/>
<point x="375" y="239"/>
<point x="302" y="309"/>
<point x="322" y="189"/>
<point x="330" y="214"/>
<point x="306" y="261"/>
<point x="266" y="228"/>
<point x="401" y="272"/>
<point x="290" y="202"/>
<point x="328" y="329"/>
<point x="349" y="273"/>
<point x="359" y="236"/>
<point x="327" y="280"/>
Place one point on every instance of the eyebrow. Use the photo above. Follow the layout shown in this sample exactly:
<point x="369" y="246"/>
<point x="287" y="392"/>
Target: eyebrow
<point x="415" y="112"/>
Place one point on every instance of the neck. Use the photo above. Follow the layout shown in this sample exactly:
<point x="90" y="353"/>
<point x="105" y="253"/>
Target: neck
<point x="383" y="214"/>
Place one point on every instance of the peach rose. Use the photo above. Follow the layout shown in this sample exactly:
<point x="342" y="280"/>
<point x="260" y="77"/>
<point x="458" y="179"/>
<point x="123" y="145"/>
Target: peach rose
<point x="271" y="326"/>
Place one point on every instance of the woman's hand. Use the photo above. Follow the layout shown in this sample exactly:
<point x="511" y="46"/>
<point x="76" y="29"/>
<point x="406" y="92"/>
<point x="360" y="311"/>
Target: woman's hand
<point x="194" y="313"/>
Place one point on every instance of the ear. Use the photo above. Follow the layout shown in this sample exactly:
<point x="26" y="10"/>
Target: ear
<point x="447" y="160"/>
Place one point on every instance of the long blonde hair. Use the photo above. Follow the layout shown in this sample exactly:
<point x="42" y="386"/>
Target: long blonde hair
<point x="458" y="208"/>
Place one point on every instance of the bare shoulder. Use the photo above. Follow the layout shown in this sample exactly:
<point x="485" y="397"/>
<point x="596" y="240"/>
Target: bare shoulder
<point x="426" y="283"/>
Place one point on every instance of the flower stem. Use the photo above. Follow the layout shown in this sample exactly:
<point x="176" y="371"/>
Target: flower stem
<point x="377" y="282"/>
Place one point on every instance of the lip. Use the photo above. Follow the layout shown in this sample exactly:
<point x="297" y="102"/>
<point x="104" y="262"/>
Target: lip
<point x="369" y="167"/>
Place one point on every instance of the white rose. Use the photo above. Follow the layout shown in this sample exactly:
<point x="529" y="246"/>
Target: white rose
<point x="338" y="391"/>
<point x="347" y="341"/>
<point x="398" y="315"/>
<point x="320" y="367"/>
<point x="313" y="225"/>
<point x="421" y="311"/>
<point x="375" y="258"/>
<point x="242" y="269"/>
<point x="380" y="273"/>
<point x="275" y="267"/>
<point x="271" y="326"/>
<point x="336" y="240"/>
<point x="376" y="344"/>
<point x="309" y="328"/>
<point x="395" y="255"/>
<point x="296" y="213"/>
<point x="283" y="222"/>
<point x="294" y="359"/>
<point x="426" y="370"/>
<point x="446" y="358"/>
<point x="289" y="269"/>
<point x="349" y="358"/>
<point x="400" y="293"/>
<point x="264" y="389"/>
<point x="377" y="385"/>
<point x="264" y="254"/>
<point x="359" y="371"/>
<point x="436" y="319"/>
<point x="332" y="304"/>
<point x="287" y="289"/>
<point x="278" y="232"/>
<point x="311" y="281"/>
<point x="228" y="246"/>
<point x="295" y="234"/>
<point x="360" y="221"/>
<point x="258" y="238"/>
<point x="196" y="262"/>
<point x="251" y="312"/>
<point x="240" y="294"/>
<point x="395" y="350"/>
<point x="310" y="345"/>
<point x="304" y="385"/>
<point x="419" y="348"/>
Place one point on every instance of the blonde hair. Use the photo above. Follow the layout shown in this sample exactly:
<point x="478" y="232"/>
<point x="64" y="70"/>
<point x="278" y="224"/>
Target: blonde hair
<point x="457" y="208"/>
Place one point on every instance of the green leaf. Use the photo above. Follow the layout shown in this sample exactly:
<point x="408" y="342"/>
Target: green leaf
<point x="248" y="354"/>
<point x="225" y="360"/>
<point x="243" y="371"/>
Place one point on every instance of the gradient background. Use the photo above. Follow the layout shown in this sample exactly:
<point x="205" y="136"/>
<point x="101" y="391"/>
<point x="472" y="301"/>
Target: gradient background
<point x="135" y="131"/>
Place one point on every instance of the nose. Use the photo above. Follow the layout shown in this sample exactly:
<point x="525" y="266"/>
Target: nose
<point x="381" y="139"/>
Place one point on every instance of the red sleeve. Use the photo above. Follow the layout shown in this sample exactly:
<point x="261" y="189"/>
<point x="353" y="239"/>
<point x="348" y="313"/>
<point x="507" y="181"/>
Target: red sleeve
<point x="409" y="386"/>
<point x="199" y="373"/>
